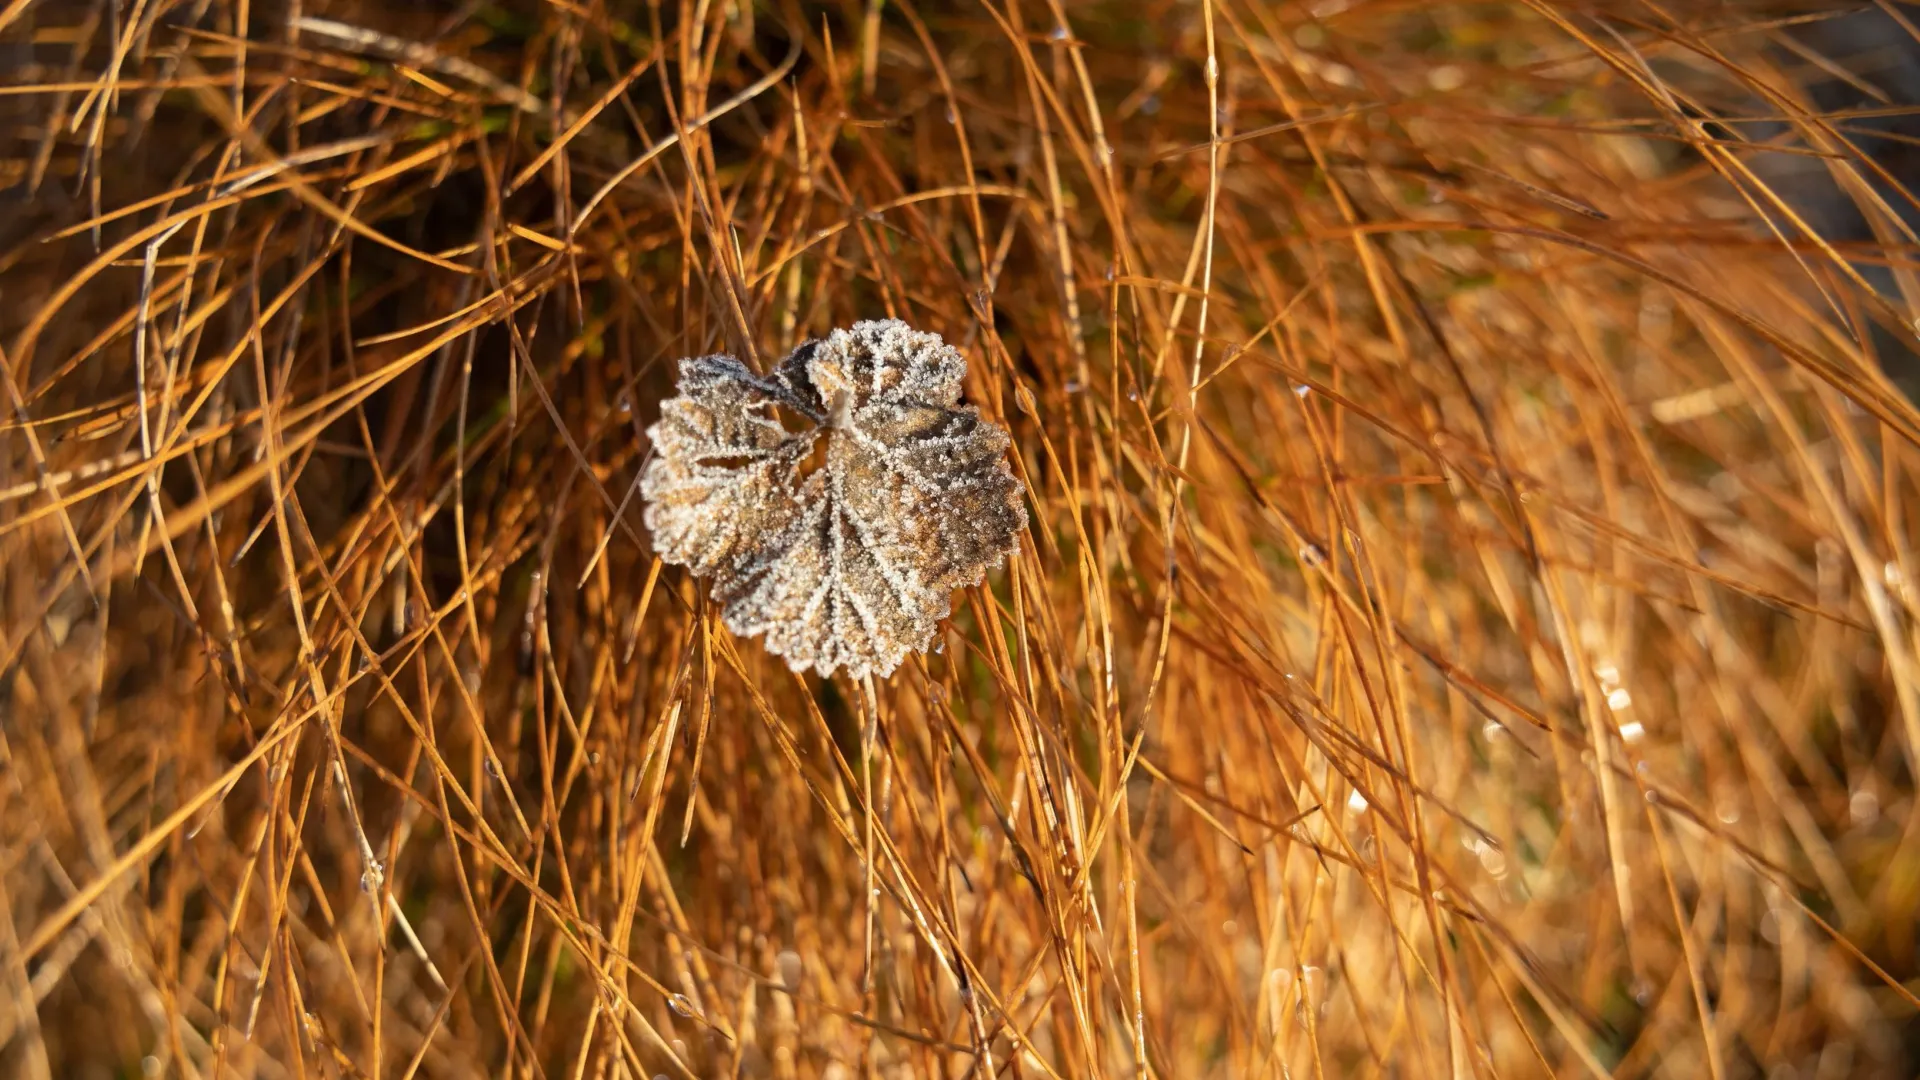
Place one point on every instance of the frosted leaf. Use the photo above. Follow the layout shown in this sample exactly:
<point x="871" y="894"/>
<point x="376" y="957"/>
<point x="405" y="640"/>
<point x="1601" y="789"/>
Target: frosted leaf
<point x="838" y="502"/>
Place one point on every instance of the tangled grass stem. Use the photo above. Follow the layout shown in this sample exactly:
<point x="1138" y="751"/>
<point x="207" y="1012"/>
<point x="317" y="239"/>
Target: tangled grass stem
<point x="1468" y="627"/>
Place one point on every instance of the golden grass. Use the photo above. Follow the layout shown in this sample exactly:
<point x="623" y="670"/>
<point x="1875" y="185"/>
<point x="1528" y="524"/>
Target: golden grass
<point x="1467" y="627"/>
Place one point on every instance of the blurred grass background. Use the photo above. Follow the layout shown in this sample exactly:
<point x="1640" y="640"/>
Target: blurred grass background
<point x="1468" y="627"/>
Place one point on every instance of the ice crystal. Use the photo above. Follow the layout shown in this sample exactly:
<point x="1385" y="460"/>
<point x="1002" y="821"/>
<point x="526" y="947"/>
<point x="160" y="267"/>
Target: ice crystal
<point x="837" y="502"/>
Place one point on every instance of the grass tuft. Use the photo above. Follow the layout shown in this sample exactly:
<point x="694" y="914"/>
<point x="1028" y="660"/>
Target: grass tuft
<point x="1467" y="627"/>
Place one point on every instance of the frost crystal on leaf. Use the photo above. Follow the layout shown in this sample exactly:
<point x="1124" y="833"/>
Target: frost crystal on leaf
<point x="838" y="502"/>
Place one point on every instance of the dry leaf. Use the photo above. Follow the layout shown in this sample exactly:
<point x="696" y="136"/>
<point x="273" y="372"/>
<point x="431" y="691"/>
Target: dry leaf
<point x="838" y="502"/>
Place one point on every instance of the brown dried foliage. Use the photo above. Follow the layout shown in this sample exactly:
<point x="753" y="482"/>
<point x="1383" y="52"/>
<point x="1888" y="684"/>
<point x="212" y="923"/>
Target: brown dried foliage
<point x="1468" y="627"/>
